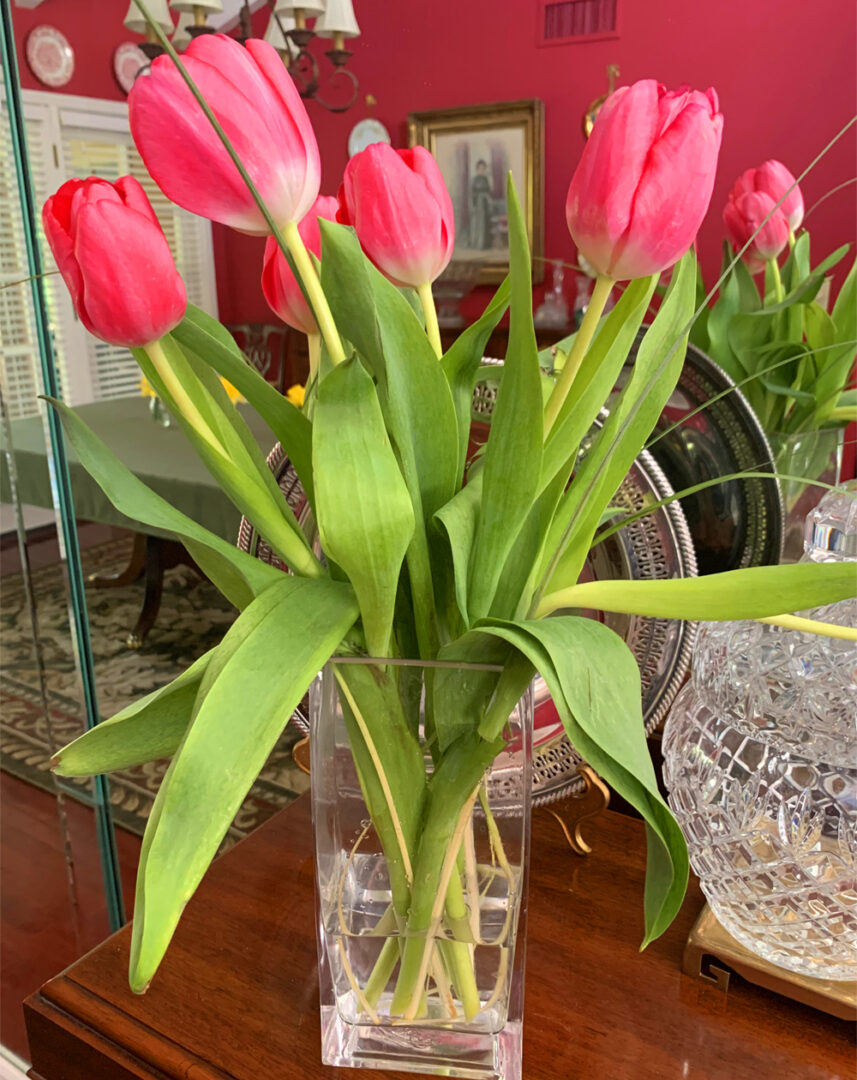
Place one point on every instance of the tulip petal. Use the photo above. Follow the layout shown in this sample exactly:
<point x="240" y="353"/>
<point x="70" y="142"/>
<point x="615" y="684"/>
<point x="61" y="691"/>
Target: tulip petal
<point x="293" y="110"/>
<point x="673" y="194"/>
<point x="423" y="164"/>
<point x="126" y="300"/>
<point x="134" y="196"/>
<point x="56" y="221"/>
<point x="601" y="195"/>
<point x="282" y="291"/>
<point x="187" y="159"/>
<point x="397" y="219"/>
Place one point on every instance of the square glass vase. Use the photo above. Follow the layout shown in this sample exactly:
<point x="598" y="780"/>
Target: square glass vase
<point x="442" y="994"/>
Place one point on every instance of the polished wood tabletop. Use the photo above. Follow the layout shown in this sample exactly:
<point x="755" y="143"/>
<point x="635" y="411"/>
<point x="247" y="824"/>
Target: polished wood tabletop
<point x="237" y="996"/>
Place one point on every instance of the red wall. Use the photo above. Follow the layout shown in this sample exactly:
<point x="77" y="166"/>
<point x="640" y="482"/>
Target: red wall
<point x="784" y="70"/>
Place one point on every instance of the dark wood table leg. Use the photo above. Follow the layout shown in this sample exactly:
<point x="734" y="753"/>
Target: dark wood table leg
<point x="132" y="572"/>
<point x="154" y="580"/>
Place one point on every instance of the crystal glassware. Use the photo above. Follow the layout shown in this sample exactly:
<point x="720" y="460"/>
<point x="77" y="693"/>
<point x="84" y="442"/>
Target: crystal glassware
<point x="760" y="759"/>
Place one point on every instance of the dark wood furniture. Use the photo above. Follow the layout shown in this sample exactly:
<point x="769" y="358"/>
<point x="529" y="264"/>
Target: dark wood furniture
<point x="236" y="998"/>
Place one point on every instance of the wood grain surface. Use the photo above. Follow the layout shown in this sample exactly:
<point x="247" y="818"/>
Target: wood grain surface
<point x="237" y="996"/>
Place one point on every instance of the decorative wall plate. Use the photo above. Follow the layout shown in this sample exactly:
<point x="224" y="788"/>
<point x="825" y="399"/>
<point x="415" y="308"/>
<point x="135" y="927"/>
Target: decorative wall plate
<point x="366" y="132"/>
<point x="49" y="55"/>
<point x="656" y="546"/>
<point x="128" y="60"/>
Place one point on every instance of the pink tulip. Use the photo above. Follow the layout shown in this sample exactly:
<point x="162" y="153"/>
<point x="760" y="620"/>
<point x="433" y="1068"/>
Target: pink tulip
<point x="281" y="290"/>
<point x="644" y="182"/>
<point x="743" y="215"/>
<point x="255" y="100"/>
<point x="115" y="260"/>
<point x="401" y="211"/>
<point x="774" y="179"/>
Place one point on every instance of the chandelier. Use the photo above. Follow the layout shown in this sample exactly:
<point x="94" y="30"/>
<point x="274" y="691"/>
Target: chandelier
<point x="287" y="31"/>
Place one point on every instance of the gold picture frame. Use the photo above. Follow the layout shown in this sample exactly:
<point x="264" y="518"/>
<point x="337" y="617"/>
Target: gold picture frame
<point x="474" y="146"/>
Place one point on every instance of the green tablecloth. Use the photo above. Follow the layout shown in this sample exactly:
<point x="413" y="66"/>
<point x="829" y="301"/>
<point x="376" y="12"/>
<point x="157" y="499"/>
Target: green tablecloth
<point x="161" y="457"/>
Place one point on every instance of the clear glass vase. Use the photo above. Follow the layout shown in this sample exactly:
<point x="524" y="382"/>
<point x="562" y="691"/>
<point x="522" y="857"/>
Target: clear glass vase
<point x="807" y="456"/>
<point x="760" y="759"/>
<point x="458" y="1010"/>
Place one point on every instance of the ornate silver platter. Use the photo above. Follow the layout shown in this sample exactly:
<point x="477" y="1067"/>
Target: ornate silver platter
<point x="733" y="524"/>
<point x="656" y="546"/>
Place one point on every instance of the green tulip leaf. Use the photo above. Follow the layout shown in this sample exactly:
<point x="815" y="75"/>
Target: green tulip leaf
<point x="594" y="682"/>
<point x="837" y="364"/>
<point x="204" y="336"/>
<point x="238" y="466"/>
<point x="597" y="376"/>
<point x="286" y="636"/>
<point x="239" y="576"/>
<point x="756" y="592"/>
<point x="462" y="360"/>
<point x="365" y="515"/>
<point x="147" y="730"/>
<point x="513" y="453"/>
<point x="632" y="418"/>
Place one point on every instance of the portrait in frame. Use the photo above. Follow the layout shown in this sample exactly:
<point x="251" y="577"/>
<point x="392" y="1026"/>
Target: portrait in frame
<point x="475" y="147"/>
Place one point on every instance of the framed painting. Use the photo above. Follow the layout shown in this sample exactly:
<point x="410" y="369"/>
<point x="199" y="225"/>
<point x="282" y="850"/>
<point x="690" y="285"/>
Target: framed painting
<point x="475" y="147"/>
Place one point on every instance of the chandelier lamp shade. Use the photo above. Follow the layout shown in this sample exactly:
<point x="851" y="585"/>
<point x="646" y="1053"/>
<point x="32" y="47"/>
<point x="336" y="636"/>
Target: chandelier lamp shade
<point x="338" y="22"/>
<point x="198" y="10"/>
<point x="135" y="22"/>
<point x="278" y="35"/>
<point x="182" y="38"/>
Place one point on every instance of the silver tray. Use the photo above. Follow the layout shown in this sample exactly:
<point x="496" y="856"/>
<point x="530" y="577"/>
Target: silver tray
<point x="656" y="546"/>
<point x="734" y="524"/>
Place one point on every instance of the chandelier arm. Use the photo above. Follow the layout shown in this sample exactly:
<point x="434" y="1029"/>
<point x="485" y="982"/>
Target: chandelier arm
<point x="349" y="75"/>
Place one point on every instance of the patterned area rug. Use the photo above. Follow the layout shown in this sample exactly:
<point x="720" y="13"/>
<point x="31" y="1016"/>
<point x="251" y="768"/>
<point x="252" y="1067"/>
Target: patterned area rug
<point x="193" y="617"/>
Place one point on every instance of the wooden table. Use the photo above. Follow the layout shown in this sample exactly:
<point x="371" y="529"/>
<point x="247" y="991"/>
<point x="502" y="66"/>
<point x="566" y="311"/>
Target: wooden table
<point x="237" y="996"/>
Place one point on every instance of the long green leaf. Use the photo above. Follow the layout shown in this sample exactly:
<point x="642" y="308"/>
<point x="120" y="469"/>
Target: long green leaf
<point x="513" y="454"/>
<point x="595" y="685"/>
<point x="240" y="468"/>
<point x="597" y="376"/>
<point x="146" y="730"/>
<point x="365" y="516"/>
<point x="460" y="519"/>
<point x="833" y="377"/>
<point x="233" y="732"/>
<point x="462" y="360"/>
<point x="752" y="593"/>
<point x="204" y="336"/>
<point x="239" y="576"/>
<point x="632" y="418"/>
<point x="415" y="398"/>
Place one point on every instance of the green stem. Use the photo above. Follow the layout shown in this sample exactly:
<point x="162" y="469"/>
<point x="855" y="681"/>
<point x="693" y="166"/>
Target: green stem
<point x="778" y="281"/>
<point x="381" y="972"/>
<point x="458" y="952"/>
<point x="792" y="239"/>
<point x="432" y="328"/>
<point x="314" y="345"/>
<point x="581" y="343"/>
<point x="155" y="352"/>
<point x="452" y="792"/>
<point x="312" y="285"/>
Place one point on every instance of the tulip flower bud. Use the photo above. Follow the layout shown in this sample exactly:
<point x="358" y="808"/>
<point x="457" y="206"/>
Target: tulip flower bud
<point x="774" y="179"/>
<point x="644" y="182"/>
<point x="401" y="211"/>
<point x="743" y="215"/>
<point x="281" y="289"/>
<point x="115" y="260"/>
<point x="252" y="95"/>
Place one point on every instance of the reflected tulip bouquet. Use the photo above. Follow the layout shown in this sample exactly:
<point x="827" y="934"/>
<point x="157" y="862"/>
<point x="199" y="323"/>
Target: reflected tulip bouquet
<point x="417" y="551"/>
<point x="792" y="358"/>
